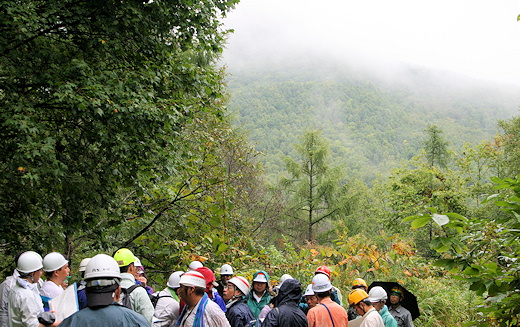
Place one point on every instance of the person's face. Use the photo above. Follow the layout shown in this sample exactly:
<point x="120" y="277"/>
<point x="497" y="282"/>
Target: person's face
<point x="142" y="278"/>
<point x="64" y="272"/>
<point x="259" y="287"/>
<point x="312" y="300"/>
<point x="359" y="309"/>
<point x="36" y="275"/>
<point x="379" y="305"/>
<point x="184" y="292"/>
<point x="394" y="299"/>
<point x="225" y="278"/>
<point x="229" y="292"/>
<point x="133" y="270"/>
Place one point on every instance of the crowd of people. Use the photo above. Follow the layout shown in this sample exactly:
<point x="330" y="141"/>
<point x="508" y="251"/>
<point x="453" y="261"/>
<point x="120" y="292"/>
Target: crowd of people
<point x="113" y="291"/>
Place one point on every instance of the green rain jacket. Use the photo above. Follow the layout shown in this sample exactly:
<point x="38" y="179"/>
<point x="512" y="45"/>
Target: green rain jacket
<point x="255" y="306"/>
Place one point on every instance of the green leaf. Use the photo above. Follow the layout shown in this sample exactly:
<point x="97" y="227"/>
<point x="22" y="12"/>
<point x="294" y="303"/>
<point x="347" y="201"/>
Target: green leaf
<point x="410" y="218"/>
<point x="448" y="263"/>
<point x="503" y="203"/>
<point x="221" y="248"/>
<point x="443" y="248"/>
<point x="471" y="271"/>
<point x="453" y="215"/>
<point x="418" y="223"/>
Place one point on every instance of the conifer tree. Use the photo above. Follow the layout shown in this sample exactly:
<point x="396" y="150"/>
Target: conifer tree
<point x="313" y="186"/>
<point x="436" y="147"/>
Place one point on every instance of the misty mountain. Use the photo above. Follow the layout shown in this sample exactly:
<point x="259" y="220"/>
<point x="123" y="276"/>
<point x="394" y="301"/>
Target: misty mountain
<point x="373" y="122"/>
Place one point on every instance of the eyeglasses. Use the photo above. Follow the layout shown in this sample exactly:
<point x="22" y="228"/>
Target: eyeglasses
<point x="230" y="286"/>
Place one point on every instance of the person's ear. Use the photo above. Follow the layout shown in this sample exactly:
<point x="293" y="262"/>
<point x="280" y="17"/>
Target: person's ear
<point x="117" y="294"/>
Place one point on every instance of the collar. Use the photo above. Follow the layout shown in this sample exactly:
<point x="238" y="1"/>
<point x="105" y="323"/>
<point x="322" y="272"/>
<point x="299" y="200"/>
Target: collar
<point x="128" y="276"/>
<point x="369" y="311"/>
<point x="397" y="308"/>
<point x="26" y="284"/>
<point x="326" y="300"/>
<point x="258" y="298"/>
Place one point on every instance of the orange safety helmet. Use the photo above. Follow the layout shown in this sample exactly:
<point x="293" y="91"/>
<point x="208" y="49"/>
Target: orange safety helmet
<point x="356" y="295"/>
<point x="358" y="282"/>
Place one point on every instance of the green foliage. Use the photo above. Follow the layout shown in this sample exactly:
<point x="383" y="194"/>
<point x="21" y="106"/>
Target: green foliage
<point x="93" y="97"/>
<point x="436" y="148"/>
<point x="372" y="126"/>
<point x="444" y="301"/>
<point x="510" y="142"/>
<point x="198" y="212"/>
<point x="313" y="186"/>
<point x="485" y="253"/>
<point x="408" y="191"/>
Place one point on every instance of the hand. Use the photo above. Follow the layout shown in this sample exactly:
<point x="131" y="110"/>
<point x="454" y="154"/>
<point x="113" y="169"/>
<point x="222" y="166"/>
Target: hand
<point x="142" y="279"/>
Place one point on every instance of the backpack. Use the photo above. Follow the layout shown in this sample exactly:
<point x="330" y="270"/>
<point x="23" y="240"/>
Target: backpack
<point x="154" y="298"/>
<point x="125" y="299"/>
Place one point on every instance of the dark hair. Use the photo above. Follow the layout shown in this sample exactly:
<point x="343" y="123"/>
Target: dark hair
<point x="367" y="302"/>
<point x="322" y="295"/>
<point x="199" y="291"/>
<point x="124" y="269"/>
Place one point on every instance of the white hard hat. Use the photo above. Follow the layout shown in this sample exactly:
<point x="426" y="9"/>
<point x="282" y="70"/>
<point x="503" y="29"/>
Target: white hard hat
<point x="376" y="294"/>
<point x="226" y="270"/>
<point x="54" y="261"/>
<point x="321" y="283"/>
<point x="83" y="264"/>
<point x="260" y="278"/>
<point x="28" y="262"/>
<point x="174" y="279"/>
<point x="137" y="262"/>
<point x="241" y="283"/>
<point x="308" y="291"/>
<point x="193" y="278"/>
<point x="102" y="266"/>
<point x="194" y="265"/>
<point x="284" y="278"/>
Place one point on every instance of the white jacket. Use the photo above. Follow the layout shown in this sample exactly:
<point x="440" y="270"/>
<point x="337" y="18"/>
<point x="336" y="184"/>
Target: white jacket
<point x="25" y="304"/>
<point x="139" y="297"/>
<point x="5" y="288"/>
<point x="166" y="309"/>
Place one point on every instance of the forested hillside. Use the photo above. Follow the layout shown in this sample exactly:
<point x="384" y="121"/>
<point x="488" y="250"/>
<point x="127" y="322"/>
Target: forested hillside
<point x="120" y="136"/>
<point x="372" y="124"/>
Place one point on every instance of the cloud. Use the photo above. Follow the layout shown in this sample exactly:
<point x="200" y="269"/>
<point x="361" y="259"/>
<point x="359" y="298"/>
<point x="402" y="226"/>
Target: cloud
<point x="478" y="38"/>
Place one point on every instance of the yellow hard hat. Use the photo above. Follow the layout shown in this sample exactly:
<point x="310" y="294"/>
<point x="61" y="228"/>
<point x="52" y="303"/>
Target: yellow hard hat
<point x="357" y="295"/>
<point x="359" y="282"/>
<point x="124" y="257"/>
<point x="397" y="291"/>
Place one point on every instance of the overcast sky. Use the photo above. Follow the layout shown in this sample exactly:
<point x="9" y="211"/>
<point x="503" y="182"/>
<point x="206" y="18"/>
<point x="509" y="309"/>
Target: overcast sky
<point x="476" y="38"/>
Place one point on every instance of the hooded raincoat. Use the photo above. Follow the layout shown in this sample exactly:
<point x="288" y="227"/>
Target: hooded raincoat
<point x="252" y="303"/>
<point x="238" y="313"/>
<point x="286" y="311"/>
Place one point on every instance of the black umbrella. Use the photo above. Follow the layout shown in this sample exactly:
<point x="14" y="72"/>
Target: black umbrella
<point x="409" y="301"/>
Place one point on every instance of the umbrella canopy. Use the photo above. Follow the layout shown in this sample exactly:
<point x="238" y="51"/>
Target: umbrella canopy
<point x="409" y="301"/>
